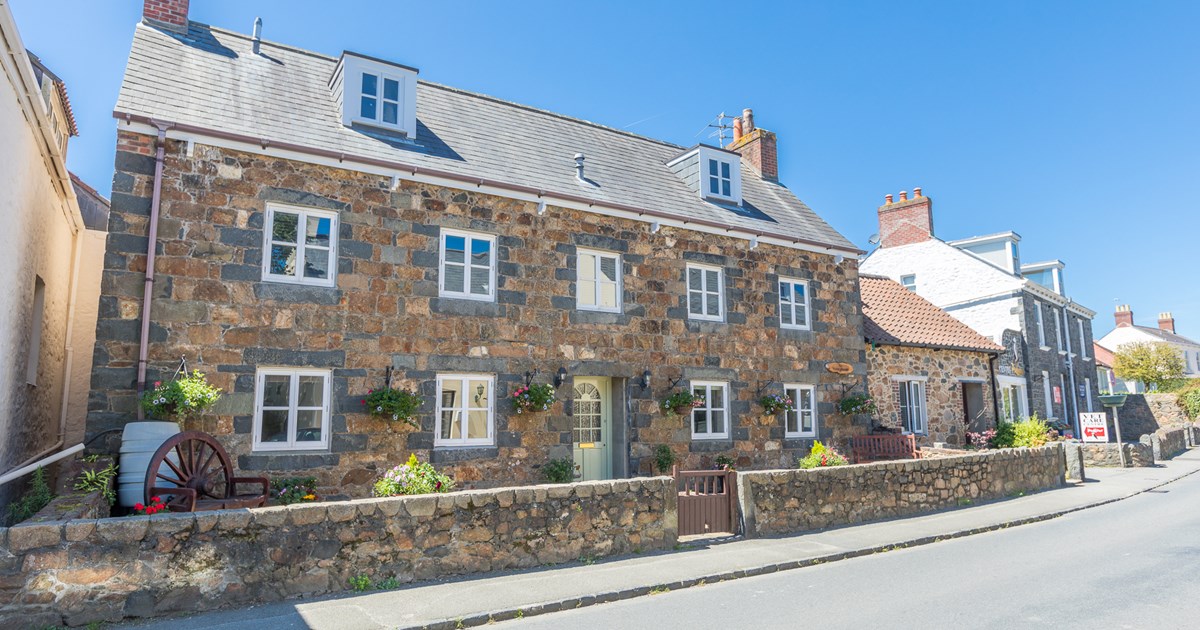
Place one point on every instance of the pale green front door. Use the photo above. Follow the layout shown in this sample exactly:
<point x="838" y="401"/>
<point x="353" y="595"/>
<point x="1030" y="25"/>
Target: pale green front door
<point x="591" y="428"/>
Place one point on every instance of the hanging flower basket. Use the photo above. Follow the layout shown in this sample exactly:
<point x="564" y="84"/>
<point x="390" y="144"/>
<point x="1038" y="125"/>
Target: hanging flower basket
<point x="772" y="404"/>
<point x="397" y="405"/>
<point x="533" y="398"/>
<point x="680" y="403"/>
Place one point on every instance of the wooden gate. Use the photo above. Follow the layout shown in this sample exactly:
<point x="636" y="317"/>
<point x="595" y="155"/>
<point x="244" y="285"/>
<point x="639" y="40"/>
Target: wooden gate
<point x="707" y="501"/>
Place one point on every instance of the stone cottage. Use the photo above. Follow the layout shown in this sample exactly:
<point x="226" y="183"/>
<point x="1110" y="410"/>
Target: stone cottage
<point x="928" y="373"/>
<point x="309" y="222"/>
<point x="1047" y="368"/>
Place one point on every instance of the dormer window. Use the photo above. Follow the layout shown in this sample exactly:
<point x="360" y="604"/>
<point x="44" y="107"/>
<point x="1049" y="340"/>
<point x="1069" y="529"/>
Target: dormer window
<point x="376" y="93"/>
<point x="716" y="174"/>
<point x="720" y="178"/>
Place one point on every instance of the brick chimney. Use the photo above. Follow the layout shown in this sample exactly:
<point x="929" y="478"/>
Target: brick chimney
<point x="1124" y="315"/>
<point x="1166" y="322"/>
<point x="905" y="221"/>
<point x="169" y="14"/>
<point x="756" y="145"/>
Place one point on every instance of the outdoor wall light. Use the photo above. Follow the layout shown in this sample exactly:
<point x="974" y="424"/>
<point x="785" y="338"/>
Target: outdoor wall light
<point x="646" y="379"/>
<point x="560" y="377"/>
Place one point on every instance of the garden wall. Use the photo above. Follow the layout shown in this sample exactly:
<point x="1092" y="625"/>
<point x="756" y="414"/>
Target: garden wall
<point x="1137" y="454"/>
<point x="1147" y="413"/>
<point x="104" y="570"/>
<point x="1167" y="444"/>
<point x="788" y="501"/>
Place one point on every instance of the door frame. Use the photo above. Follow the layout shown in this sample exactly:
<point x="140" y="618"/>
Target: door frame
<point x="604" y="385"/>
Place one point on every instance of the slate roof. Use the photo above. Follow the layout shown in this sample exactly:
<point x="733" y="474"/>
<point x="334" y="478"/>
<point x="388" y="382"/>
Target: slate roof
<point x="212" y="79"/>
<point x="1166" y="336"/>
<point x="895" y="316"/>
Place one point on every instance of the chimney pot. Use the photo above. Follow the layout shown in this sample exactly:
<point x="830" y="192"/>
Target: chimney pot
<point x="903" y="195"/>
<point x="916" y="192"/>
<point x="747" y="120"/>
<point x="888" y="198"/>
<point x="904" y="221"/>
<point x="756" y="146"/>
<point x="1123" y="316"/>
<point x="737" y="129"/>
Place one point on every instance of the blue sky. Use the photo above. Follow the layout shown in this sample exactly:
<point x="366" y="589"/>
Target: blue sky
<point x="1072" y="123"/>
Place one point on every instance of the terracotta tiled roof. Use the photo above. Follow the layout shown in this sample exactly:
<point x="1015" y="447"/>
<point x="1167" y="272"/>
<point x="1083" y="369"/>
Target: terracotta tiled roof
<point x="895" y="316"/>
<point x="1103" y="355"/>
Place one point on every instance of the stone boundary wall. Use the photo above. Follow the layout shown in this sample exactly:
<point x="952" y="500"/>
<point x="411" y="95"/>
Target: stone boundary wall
<point x="81" y="571"/>
<point x="1137" y="455"/>
<point x="788" y="501"/>
<point x="1148" y="413"/>
<point x="1168" y="443"/>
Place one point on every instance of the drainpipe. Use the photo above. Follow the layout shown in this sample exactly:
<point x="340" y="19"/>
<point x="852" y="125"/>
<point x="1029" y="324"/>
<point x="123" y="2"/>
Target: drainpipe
<point x="151" y="247"/>
<point x="995" y="386"/>
<point x="1071" y="372"/>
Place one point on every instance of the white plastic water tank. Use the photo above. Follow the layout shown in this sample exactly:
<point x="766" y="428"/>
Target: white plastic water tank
<point x="138" y="443"/>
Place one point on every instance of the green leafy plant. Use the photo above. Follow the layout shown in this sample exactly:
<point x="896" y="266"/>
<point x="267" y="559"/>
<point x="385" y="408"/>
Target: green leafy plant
<point x="291" y="490"/>
<point x="361" y="583"/>
<point x="559" y="470"/>
<point x="91" y="480"/>
<point x="1151" y="363"/>
<point x="821" y="456"/>
<point x="1005" y="437"/>
<point x="533" y="398"/>
<point x="388" y="584"/>
<point x="680" y="402"/>
<point x="664" y="458"/>
<point x="183" y="398"/>
<point x="389" y="403"/>
<point x="35" y="498"/>
<point x="413" y="477"/>
<point x="774" y="403"/>
<point x="725" y="461"/>
<point x="1190" y="401"/>
<point x="1033" y="431"/>
<point x="856" y="404"/>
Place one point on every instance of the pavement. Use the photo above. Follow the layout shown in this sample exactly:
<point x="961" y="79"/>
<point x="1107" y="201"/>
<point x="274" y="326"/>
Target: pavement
<point x="478" y="600"/>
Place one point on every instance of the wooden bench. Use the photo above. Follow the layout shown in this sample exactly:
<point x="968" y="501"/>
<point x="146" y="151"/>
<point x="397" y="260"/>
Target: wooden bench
<point x="873" y="448"/>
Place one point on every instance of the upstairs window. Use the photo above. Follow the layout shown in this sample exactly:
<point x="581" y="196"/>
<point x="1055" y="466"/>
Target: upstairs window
<point x="1041" y="327"/>
<point x="706" y="297"/>
<point x="599" y="281"/>
<point x="909" y="282"/>
<point x="380" y="104"/>
<point x="376" y="93"/>
<point x="468" y="267"/>
<point x="300" y="245"/>
<point x="35" y="331"/>
<point x="793" y="304"/>
<point x="720" y="178"/>
<point x="720" y="175"/>
<point x="1058" y="330"/>
<point x="1083" y="344"/>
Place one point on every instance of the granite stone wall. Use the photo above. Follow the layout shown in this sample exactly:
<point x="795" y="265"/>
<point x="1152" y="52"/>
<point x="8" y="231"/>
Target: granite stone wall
<point x="1147" y="413"/>
<point x="1137" y="454"/>
<point x="210" y="305"/>
<point x="945" y="371"/>
<point x="82" y="571"/>
<point x="1167" y="444"/>
<point x="788" y="501"/>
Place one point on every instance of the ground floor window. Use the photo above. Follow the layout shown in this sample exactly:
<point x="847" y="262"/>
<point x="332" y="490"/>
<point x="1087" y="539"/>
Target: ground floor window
<point x="913" y="413"/>
<point x="1012" y="398"/>
<point x="801" y="421"/>
<point x="292" y="409"/>
<point x="465" y="410"/>
<point x="710" y="420"/>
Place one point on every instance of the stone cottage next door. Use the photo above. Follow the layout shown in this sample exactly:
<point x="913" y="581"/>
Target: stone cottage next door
<point x="592" y="428"/>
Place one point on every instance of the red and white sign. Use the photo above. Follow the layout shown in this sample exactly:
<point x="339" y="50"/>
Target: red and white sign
<point x="1057" y="395"/>
<point x="1094" y="426"/>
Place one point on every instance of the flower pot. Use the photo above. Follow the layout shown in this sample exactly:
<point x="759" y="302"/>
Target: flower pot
<point x="682" y="410"/>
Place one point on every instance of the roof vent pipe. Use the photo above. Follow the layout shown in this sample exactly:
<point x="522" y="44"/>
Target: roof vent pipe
<point x="579" y="166"/>
<point x="257" y="39"/>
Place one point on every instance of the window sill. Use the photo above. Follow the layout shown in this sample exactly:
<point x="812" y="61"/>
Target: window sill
<point x="714" y="320"/>
<point x="322" y="284"/>
<point x="1045" y="348"/>
<point x="799" y="328"/>
<point x="467" y="296"/>
<point x="709" y="438"/>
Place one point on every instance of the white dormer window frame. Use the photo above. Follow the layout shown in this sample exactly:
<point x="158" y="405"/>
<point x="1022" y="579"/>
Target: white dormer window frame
<point x="377" y="94"/>
<point x="720" y="175"/>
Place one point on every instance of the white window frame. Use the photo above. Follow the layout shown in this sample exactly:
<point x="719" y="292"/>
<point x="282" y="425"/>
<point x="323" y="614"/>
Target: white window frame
<point x="708" y="387"/>
<point x="597" y="281"/>
<point x="793" y="390"/>
<point x="293" y="408"/>
<point x="468" y="268"/>
<point x="37" y="320"/>
<point x="918" y="404"/>
<point x="1048" y="396"/>
<point x="1058" y="331"/>
<point x="707" y="155"/>
<point x="1087" y="389"/>
<point x="463" y="406"/>
<point x="1041" y="326"/>
<point x="302" y="248"/>
<point x="911" y="285"/>
<point x="1083" y="344"/>
<point x="1019" y="396"/>
<point x="794" y="282"/>
<point x="381" y="99"/>
<point x="704" y="292"/>
<point x="352" y="70"/>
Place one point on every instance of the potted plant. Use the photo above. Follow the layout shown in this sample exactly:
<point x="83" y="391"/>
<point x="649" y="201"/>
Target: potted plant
<point x="389" y="403"/>
<point x="680" y="403"/>
<point x="772" y="404"/>
<point x="182" y="398"/>
<point x="856" y="404"/>
<point x="533" y="398"/>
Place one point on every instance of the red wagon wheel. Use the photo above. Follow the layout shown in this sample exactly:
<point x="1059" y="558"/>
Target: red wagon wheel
<point x="192" y="459"/>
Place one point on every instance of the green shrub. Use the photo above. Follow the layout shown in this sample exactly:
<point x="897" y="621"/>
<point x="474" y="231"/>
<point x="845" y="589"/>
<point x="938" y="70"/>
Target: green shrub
<point x="389" y="403"/>
<point x="34" y="499"/>
<point x="560" y="470"/>
<point x="361" y="583"/>
<point x="413" y="477"/>
<point x="291" y="490"/>
<point x="1032" y="431"/>
<point x="182" y="398"/>
<point x="90" y="480"/>
<point x="1006" y="435"/>
<point x="725" y="461"/>
<point x="1190" y="401"/>
<point x="821" y="456"/>
<point x="664" y="458"/>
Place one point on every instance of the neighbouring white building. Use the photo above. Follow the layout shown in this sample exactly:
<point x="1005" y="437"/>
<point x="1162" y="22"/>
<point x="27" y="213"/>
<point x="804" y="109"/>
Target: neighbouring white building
<point x="49" y="265"/>
<point x="1127" y="332"/>
<point x="1048" y="367"/>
